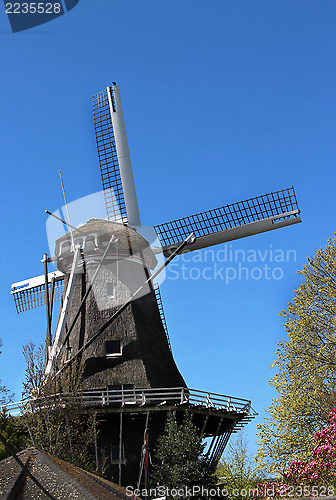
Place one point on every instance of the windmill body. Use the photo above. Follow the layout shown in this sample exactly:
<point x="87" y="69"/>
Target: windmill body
<point x="130" y="376"/>
<point x="133" y="351"/>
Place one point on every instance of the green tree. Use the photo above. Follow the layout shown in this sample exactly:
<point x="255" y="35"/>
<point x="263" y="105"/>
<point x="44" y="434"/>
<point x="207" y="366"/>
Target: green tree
<point x="9" y="426"/>
<point x="179" y="459"/>
<point x="306" y="367"/>
<point x="12" y="433"/>
<point x="237" y="469"/>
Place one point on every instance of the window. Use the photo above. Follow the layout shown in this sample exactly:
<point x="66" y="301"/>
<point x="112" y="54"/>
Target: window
<point x="90" y="243"/>
<point x="115" y="388"/>
<point x="66" y="247"/>
<point x="128" y="387"/>
<point x="112" y="348"/>
<point x="110" y="289"/>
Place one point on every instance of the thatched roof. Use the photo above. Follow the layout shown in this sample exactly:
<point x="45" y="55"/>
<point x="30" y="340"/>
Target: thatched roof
<point x="61" y="479"/>
<point x="129" y="241"/>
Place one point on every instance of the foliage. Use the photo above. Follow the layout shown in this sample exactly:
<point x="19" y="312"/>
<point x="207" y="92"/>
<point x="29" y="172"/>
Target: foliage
<point x="316" y="477"/>
<point x="9" y="428"/>
<point x="306" y="367"/>
<point x="11" y="432"/>
<point x="34" y="357"/>
<point x="53" y="414"/>
<point x="179" y="459"/>
<point x="236" y="470"/>
<point x="322" y="469"/>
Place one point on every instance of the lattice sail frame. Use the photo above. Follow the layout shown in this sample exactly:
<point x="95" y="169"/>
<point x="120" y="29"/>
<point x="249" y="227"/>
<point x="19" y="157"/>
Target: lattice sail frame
<point x="158" y="297"/>
<point x="281" y="205"/>
<point x="108" y="158"/>
<point x="30" y="293"/>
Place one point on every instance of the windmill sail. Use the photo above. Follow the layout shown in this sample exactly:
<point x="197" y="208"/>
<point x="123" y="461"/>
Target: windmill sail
<point x="108" y="158"/>
<point x="158" y="297"/>
<point x="245" y="218"/>
<point x="114" y="158"/>
<point x="30" y="293"/>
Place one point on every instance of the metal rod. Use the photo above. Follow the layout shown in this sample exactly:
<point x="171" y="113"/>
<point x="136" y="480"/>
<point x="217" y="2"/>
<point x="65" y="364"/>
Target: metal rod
<point x="63" y="221"/>
<point x="188" y="240"/>
<point x="96" y="446"/>
<point x="142" y="458"/>
<point x="146" y="451"/>
<point x="66" y="208"/>
<point x="48" y="336"/>
<point x="120" y="445"/>
<point x="52" y="294"/>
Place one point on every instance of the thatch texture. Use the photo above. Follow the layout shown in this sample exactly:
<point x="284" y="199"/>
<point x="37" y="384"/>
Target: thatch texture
<point x="97" y="232"/>
<point x="145" y="360"/>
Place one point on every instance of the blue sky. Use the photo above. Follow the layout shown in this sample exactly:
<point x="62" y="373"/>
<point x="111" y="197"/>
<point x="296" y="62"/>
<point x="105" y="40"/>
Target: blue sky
<point x="222" y="101"/>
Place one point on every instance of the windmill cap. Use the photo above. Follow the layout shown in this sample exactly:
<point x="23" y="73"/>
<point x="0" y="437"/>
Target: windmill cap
<point x="99" y="231"/>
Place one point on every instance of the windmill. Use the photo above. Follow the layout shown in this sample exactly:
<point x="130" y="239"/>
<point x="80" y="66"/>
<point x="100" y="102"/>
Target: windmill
<point x="130" y="375"/>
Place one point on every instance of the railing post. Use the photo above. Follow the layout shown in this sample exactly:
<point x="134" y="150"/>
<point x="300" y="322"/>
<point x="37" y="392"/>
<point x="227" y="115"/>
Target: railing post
<point x="182" y="395"/>
<point x="228" y="403"/>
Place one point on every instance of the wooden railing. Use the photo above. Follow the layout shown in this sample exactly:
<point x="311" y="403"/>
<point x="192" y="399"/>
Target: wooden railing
<point x="144" y="397"/>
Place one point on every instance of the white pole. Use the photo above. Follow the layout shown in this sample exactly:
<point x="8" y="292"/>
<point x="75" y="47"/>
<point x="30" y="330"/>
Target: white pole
<point x="55" y="349"/>
<point x="124" y="158"/>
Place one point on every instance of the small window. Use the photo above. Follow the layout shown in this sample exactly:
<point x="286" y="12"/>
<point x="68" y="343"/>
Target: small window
<point x="113" y="348"/>
<point x="110" y="289"/>
<point x="66" y="247"/>
<point x="116" y="388"/>
<point x="128" y="387"/>
<point x="90" y="242"/>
